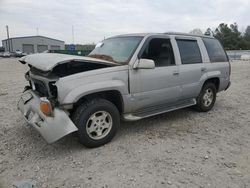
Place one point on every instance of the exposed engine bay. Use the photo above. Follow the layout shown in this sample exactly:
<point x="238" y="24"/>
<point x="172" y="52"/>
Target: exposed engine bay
<point x="42" y="78"/>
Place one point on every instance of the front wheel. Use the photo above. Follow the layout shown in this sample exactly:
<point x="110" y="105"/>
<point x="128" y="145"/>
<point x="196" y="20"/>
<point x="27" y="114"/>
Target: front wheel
<point x="97" y="121"/>
<point x="206" y="98"/>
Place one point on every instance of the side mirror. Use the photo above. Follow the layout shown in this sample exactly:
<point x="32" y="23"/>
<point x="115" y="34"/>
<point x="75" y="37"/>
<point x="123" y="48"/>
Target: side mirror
<point x="145" y="64"/>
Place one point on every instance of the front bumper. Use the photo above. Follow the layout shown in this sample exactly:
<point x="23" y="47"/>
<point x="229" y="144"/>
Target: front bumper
<point x="51" y="128"/>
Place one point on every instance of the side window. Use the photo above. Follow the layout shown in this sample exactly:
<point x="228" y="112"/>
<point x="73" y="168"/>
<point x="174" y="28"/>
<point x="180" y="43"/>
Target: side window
<point x="215" y="51"/>
<point x="189" y="51"/>
<point x="159" y="50"/>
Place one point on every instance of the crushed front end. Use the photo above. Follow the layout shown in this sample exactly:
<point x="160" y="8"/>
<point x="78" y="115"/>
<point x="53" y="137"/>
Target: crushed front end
<point x="51" y="126"/>
<point x="39" y="102"/>
<point x="39" y="106"/>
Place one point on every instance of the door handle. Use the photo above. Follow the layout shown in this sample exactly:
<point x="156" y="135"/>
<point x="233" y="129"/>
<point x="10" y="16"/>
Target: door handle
<point x="203" y="69"/>
<point x="175" y="73"/>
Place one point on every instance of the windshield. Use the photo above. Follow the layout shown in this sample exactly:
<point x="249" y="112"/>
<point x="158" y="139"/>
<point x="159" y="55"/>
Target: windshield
<point x="118" y="50"/>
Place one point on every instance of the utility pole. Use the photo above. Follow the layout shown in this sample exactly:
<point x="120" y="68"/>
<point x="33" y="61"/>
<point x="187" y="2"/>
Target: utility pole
<point x="73" y="37"/>
<point x="8" y="37"/>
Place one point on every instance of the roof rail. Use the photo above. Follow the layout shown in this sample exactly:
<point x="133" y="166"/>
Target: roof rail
<point x="186" y="34"/>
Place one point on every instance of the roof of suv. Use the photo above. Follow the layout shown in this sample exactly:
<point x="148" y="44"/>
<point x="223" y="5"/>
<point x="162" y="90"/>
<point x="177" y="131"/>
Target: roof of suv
<point x="166" y="33"/>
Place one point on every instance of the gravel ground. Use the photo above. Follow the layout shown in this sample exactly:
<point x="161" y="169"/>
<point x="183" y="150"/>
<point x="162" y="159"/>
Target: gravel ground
<point x="177" y="149"/>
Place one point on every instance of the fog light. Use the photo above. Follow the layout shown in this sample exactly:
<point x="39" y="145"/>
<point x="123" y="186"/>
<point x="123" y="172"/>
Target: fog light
<point x="45" y="107"/>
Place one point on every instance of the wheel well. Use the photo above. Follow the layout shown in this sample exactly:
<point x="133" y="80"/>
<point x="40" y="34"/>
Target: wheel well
<point x="215" y="81"/>
<point x="113" y="96"/>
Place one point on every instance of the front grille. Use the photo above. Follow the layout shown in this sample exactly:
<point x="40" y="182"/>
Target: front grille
<point x="53" y="89"/>
<point x="41" y="87"/>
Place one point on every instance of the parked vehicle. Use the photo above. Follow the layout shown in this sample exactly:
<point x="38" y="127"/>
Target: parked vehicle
<point x="19" y="53"/>
<point x="5" y="54"/>
<point x="245" y="57"/>
<point x="128" y="76"/>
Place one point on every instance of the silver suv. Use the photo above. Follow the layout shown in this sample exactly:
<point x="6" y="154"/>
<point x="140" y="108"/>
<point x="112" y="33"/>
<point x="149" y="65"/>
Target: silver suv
<point x="128" y="76"/>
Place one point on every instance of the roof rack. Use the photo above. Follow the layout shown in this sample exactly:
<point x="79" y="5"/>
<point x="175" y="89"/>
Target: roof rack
<point x="186" y="34"/>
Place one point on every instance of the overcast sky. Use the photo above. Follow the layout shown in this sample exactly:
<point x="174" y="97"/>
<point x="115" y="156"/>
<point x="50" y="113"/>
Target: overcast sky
<point x="95" y="19"/>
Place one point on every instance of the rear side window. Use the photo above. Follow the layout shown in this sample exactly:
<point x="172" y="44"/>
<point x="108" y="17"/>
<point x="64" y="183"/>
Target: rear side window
<point x="189" y="51"/>
<point x="215" y="51"/>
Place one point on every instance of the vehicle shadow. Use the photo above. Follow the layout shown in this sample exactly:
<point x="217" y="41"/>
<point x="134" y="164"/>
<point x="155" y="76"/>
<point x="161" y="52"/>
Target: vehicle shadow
<point x="168" y="124"/>
<point x="143" y="126"/>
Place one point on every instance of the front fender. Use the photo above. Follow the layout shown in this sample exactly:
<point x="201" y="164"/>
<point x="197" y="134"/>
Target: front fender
<point x="83" y="90"/>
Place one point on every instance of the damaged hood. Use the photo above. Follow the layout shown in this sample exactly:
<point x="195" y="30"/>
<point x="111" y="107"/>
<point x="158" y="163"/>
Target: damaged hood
<point x="47" y="61"/>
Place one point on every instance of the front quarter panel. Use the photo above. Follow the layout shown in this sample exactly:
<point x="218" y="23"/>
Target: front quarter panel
<point x="71" y="90"/>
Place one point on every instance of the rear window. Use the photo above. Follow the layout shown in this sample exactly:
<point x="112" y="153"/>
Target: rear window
<point x="189" y="51"/>
<point x="215" y="51"/>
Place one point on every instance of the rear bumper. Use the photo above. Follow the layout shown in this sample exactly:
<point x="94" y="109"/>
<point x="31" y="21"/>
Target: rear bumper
<point x="51" y="128"/>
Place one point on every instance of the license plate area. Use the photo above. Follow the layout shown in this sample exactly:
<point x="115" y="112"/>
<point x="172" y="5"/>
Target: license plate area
<point x="30" y="115"/>
<point x="26" y="97"/>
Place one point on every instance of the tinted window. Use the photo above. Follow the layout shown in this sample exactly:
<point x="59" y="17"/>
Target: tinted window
<point x="215" y="51"/>
<point x="189" y="51"/>
<point x="159" y="50"/>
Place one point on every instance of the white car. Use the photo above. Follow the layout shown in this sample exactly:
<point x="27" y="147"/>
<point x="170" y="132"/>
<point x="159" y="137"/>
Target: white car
<point x="6" y="54"/>
<point x="245" y="57"/>
<point x="19" y="53"/>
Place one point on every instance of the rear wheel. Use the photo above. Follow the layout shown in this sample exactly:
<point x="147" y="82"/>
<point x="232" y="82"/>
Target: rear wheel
<point x="97" y="121"/>
<point x="206" y="98"/>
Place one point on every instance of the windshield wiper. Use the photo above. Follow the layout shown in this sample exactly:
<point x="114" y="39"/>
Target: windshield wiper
<point x="107" y="58"/>
<point x="103" y="57"/>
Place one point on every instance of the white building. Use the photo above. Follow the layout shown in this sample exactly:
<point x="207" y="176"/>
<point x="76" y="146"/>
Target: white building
<point x="32" y="44"/>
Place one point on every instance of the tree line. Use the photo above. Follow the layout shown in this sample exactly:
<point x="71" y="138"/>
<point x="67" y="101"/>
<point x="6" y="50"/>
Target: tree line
<point x="230" y="36"/>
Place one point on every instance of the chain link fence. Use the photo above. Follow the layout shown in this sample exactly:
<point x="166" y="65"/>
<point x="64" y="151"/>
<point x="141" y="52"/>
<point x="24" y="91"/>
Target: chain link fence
<point x="238" y="54"/>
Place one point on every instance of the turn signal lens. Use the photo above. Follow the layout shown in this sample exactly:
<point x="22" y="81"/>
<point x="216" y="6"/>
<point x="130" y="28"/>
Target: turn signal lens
<point x="45" y="108"/>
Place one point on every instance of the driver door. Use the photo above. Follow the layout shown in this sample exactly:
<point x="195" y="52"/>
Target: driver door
<point x="158" y="86"/>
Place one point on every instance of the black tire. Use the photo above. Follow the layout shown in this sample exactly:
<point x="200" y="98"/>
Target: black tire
<point x="200" y="106"/>
<point x="83" y="114"/>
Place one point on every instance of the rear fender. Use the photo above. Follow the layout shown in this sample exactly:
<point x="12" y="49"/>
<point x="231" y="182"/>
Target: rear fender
<point x="208" y="75"/>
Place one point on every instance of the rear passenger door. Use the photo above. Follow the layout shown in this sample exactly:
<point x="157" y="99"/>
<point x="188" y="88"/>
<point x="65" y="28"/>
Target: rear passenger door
<point x="191" y="67"/>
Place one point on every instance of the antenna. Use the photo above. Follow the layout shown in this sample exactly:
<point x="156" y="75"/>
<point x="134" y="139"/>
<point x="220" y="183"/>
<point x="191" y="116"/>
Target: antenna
<point x="37" y="31"/>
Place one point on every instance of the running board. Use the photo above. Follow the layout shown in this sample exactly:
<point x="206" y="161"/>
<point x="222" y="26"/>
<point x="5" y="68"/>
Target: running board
<point x="157" y="110"/>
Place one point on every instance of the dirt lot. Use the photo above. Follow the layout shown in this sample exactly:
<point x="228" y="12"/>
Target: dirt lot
<point x="178" y="149"/>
